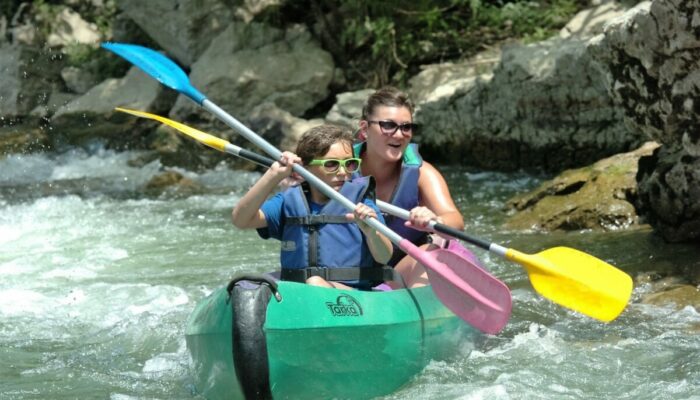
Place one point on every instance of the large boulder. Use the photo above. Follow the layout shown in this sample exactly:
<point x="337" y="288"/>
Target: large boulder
<point x="183" y="28"/>
<point x="250" y="64"/>
<point x="598" y="197"/>
<point x="28" y="76"/>
<point x="278" y="126"/>
<point x="652" y="58"/>
<point x="545" y="106"/>
<point x="347" y="109"/>
<point x="92" y="117"/>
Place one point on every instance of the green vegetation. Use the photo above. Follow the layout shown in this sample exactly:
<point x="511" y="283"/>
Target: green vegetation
<point x="100" y="63"/>
<point x="386" y="42"/>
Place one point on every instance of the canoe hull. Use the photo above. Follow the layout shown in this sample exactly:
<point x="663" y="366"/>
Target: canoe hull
<point x="326" y="343"/>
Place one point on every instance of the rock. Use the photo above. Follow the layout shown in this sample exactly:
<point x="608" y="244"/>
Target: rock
<point x="249" y="9"/>
<point x="651" y="55"/>
<point x="78" y="80"/>
<point x="174" y="150"/>
<point x="23" y="138"/>
<point x="136" y="90"/>
<point x="590" y="22"/>
<point x="183" y="28"/>
<point x="3" y="29"/>
<point x="70" y="28"/>
<point x="22" y="31"/>
<point x="347" y="109"/>
<point x="545" y="106"/>
<point x="669" y="193"/>
<point x="278" y="126"/>
<point x="125" y="30"/>
<point x="92" y="116"/>
<point x="56" y="100"/>
<point x="598" y="197"/>
<point x="172" y="183"/>
<point x="680" y="296"/>
<point x="442" y="81"/>
<point x="28" y="76"/>
<point x="250" y="64"/>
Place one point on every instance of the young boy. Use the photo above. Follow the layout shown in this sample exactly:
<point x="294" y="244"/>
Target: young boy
<point x="321" y="244"/>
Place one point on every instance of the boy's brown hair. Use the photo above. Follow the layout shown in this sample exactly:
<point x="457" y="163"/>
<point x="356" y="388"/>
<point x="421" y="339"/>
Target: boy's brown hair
<point x="318" y="140"/>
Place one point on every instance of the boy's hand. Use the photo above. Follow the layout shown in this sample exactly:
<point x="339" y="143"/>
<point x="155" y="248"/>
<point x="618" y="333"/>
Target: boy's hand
<point x="360" y="214"/>
<point x="283" y="168"/>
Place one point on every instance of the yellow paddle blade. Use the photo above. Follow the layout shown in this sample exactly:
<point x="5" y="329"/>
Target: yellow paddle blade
<point x="577" y="280"/>
<point x="202" y="137"/>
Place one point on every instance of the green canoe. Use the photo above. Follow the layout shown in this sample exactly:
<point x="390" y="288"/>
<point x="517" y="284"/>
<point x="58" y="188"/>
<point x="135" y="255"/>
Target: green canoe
<point x="291" y="340"/>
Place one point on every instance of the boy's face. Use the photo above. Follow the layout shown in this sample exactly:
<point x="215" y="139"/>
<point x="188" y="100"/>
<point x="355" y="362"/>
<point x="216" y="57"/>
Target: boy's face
<point x="339" y="151"/>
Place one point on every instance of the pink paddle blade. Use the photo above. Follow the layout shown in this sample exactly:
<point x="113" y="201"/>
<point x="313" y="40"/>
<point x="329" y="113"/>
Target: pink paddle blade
<point x="465" y="288"/>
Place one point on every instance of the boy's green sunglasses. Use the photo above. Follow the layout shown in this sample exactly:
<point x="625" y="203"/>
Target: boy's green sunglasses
<point x="332" y="165"/>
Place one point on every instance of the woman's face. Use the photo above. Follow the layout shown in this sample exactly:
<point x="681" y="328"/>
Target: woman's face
<point x="381" y="141"/>
<point x="338" y="151"/>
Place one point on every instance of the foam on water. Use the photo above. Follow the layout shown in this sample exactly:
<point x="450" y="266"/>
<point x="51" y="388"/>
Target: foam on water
<point x="96" y="290"/>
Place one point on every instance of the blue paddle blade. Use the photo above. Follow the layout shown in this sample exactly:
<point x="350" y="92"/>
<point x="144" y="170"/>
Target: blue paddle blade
<point x="158" y="66"/>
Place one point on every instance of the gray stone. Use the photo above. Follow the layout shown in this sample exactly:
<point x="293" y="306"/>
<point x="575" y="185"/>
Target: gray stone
<point x="347" y="109"/>
<point x="652" y="57"/>
<point x="545" y="106"/>
<point x="92" y="117"/>
<point x="183" y="28"/>
<point x="278" y="126"/>
<point x="70" y="28"/>
<point x="597" y="197"/>
<point x="590" y="22"/>
<point x="78" y="80"/>
<point x="250" y="64"/>
<point x="27" y="78"/>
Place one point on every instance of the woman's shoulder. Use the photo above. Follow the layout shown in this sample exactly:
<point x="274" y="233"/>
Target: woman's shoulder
<point x="429" y="175"/>
<point x="428" y="169"/>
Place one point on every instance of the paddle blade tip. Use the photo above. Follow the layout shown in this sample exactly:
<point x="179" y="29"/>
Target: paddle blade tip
<point x="158" y="66"/>
<point x="469" y="291"/>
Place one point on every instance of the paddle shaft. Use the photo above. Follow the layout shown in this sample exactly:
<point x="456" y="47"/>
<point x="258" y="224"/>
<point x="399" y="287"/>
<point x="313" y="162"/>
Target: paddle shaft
<point x="485" y="303"/>
<point x="386" y="207"/>
<point x="313" y="180"/>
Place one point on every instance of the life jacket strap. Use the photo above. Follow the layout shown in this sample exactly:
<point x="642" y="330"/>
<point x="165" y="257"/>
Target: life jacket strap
<point x="317" y="220"/>
<point x="372" y="274"/>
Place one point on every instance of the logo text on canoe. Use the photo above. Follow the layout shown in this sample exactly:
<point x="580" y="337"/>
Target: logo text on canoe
<point x="345" y="306"/>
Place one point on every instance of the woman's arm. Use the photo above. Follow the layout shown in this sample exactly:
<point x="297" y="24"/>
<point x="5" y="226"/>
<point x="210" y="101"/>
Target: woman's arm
<point x="436" y="200"/>
<point x="246" y="214"/>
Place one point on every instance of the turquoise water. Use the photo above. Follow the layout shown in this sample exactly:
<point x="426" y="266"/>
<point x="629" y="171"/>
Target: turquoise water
<point x="98" y="280"/>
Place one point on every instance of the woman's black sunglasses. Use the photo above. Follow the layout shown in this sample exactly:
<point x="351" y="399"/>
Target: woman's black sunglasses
<point x="389" y="127"/>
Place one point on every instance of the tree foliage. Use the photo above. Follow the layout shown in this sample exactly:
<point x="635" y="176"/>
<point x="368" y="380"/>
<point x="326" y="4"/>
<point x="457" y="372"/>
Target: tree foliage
<point x="376" y="43"/>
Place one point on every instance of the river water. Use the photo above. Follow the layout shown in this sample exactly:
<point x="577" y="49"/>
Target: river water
<point x="98" y="280"/>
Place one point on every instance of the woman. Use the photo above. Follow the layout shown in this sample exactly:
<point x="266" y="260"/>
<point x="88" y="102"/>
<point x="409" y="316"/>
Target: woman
<point x="402" y="177"/>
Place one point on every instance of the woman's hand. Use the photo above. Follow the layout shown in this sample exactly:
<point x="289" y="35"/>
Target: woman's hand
<point x="420" y="218"/>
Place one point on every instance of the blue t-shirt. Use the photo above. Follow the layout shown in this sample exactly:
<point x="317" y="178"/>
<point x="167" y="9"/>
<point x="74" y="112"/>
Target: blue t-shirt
<point x="272" y="208"/>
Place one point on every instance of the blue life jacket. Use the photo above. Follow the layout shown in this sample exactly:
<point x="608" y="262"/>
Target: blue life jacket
<point x="405" y="195"/>
<point x="314" y="244"/>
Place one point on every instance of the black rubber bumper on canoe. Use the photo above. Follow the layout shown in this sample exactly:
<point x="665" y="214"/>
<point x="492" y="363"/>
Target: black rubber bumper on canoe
<point x="250" y="295"/>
